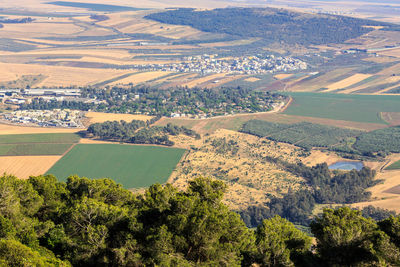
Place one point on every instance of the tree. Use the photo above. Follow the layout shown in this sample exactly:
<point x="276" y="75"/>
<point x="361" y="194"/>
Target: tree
<point x="346" y="238"/>
<point x="279" y="243"/>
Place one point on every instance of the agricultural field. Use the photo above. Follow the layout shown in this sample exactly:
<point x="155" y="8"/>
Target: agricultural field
<point x="132" y="166"/>
<point x="25" y="166"/>
<point x="36" y="144"/>
<point x="394" y="166"/>
<point x="304" y="134"/>
<point x="356" y="108"/>
<point x="100" y="117"/>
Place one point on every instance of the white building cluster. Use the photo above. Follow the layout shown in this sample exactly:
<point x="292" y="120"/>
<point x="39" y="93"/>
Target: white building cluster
<point x="241" y="65"/>
<point x="46" y="118"/>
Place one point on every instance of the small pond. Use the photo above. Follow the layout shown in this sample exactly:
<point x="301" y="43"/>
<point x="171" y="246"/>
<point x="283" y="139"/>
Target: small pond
<point x="347" y="165"/>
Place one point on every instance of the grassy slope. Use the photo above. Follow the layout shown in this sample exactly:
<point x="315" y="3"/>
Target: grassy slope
<point x="132" y="166"/>
<point x="357" y="108"/>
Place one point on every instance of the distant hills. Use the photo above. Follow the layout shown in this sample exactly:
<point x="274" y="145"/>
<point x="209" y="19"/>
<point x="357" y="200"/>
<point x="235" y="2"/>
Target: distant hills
<point x="272" y="25"/>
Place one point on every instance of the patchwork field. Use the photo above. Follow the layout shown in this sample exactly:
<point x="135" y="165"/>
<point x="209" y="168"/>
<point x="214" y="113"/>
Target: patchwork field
<point x="357" y="108"/>
<point x="132" y="166"/>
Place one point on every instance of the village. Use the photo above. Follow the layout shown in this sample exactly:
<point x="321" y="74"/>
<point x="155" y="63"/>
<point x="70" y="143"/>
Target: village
<point x="207" y="64"/>
<point x="46" y="118"/>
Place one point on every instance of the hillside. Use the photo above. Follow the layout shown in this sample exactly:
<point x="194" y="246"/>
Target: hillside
<point x="272" y="25"/>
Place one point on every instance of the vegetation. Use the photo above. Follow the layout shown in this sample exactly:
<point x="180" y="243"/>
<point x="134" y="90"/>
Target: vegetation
<point x="384" y="140"/>
<point x="273" y="25"/>
<point x="138" y="132"/>
<point x="307" y="135"/>
<point x="304" y="134"/>
<point x="33" y="149"/>
<point x="378" y="214"/>
<point x="36" y="144"/>
<point x="325" y="187"/>
<point x="132" y="166"/>
<point x="87" y="222"/>
<point x="183" y="101"/>
<point x="39" y="138"/>
<point x="357" y="108"/>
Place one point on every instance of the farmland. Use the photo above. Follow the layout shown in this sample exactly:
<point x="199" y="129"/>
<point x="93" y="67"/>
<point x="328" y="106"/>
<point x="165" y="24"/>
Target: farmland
<point x="394" y="166"/>
<point x="36" y="144"/>
<point x="357" y="108"/>
<point x="132" y="166"/>
<point x="25" y="166"/>
<point x="308" y="136"/>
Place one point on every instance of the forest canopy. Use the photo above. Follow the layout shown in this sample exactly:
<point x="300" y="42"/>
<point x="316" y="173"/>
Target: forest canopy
<point x="86" y="222"/>
<point x="272" y="25"/>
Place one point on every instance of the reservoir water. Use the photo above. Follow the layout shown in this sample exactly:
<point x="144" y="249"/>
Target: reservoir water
<point x="347" y="165"/>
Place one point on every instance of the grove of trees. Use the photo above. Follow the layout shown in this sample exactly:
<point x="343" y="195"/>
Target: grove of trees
<point x="86" y="222"/>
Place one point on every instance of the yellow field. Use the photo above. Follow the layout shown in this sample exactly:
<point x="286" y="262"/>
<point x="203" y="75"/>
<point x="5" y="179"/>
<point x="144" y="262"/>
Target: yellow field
<point x="356" y="78"/>
<point x="252" y="79"/>
<point x="38" y="29"/>
<point x="391" y="53"/>
<point x="282" y="76"/>
<point x="13" y="129"/>
<point x="25" y="166"/>
<point x="223" y="81"/>
<point x="59" y="75"/>
<point x="99" y="117"/>
<point x="380" y="195"/>
<point x="318" y="157"/>
<point x="205" y="79"/>
<point x="142" y="77"/>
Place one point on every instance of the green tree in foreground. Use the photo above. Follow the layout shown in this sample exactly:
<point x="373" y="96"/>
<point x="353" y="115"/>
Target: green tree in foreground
<point x="345" y="238"/>
<point x="86" y="222"/>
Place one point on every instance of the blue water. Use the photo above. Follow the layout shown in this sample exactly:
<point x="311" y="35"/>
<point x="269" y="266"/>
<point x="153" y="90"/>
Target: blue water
<point x="347" y="165"/>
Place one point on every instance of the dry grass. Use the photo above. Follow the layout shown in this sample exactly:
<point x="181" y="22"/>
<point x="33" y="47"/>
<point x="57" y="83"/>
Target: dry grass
<point x="141" y="77"/>
<point x="252" y="79"/>
<point x="241" y="165"/>
<point x="282" y="76"/>
<point x="391" y="53"/>
<point x="99" y="117"/>
<point x="382" y="195"/>
<point x="356" y="78"/>
<point x="25" y="166"/>
<point x="204" y="79"/>
<point x="59" y="75"/>
<point x="318" y="157"/>
<point x="38" y="29"/>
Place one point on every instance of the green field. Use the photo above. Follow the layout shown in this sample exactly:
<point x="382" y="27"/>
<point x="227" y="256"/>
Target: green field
<point x="394" y="166"/>
<point x="357" y="108"/>
<point x="33" y="149"/>
<point x="39" y="138"/>
<point x="36" y="144"/>
<point x="132" y="166"/>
